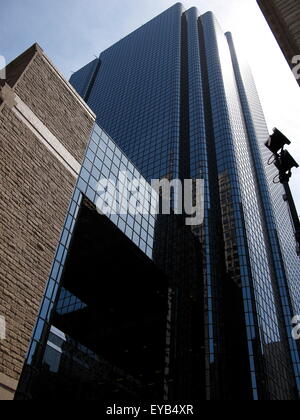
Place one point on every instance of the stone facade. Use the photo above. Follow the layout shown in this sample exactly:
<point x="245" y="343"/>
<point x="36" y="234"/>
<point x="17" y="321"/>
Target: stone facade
<point x="283" y="17"/>
<point x="44" y="129"/>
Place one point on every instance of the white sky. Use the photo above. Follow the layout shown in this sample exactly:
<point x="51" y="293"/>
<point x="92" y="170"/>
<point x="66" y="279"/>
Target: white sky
<point x="72" y="32"/>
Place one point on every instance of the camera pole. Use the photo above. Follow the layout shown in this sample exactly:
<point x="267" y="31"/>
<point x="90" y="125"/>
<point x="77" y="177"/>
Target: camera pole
<point x="284" y="162"/>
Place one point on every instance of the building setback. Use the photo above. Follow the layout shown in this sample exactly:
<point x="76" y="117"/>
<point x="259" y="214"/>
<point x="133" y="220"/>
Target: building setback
<point x="142" y="307"/>
<point x="283" y="16"/>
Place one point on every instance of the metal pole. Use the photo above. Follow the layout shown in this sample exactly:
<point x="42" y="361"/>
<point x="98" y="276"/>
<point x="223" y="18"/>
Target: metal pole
<point x="289" y="199"/>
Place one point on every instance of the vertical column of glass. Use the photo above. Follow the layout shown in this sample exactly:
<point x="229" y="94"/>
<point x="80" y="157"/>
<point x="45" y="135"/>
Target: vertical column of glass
<point x="234" y="163"/>
<point x="258" y="134"/>
<point x="198" y="168"/>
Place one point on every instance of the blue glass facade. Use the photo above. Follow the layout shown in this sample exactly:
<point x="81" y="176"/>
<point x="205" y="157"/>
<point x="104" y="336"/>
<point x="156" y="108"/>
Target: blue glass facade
<point x="53" y="350"/>
<point x="178" y="102"/>
<point x="143" y="92"/>
<point x="239" y="176"/>
<point x="84" y="77"/>
<point x="282" y="244"/>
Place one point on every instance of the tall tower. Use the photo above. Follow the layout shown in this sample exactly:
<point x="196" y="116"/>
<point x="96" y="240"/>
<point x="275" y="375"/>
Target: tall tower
<point x="177" y="101"/>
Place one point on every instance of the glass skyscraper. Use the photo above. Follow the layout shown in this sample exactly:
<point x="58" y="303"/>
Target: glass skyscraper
<point x="177" y="103"/>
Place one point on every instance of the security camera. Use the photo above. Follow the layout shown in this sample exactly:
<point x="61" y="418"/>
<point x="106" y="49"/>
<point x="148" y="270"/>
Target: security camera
<point x="277" y="141"/>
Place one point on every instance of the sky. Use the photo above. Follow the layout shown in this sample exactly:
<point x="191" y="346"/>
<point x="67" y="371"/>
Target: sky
<point x="73" y="32"/>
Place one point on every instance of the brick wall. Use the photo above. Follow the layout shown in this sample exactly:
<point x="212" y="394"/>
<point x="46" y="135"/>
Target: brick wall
<point x="35" y="190"/>
<point x="43" y="91"/>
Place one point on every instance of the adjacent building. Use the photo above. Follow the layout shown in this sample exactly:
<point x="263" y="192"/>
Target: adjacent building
<point x="40" y="159"/>
<point x="139" y="306"/>
<point x="283" y="16"/>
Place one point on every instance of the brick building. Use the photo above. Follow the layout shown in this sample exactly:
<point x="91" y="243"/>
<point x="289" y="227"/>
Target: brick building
<point x="44" y="129"/>
<point x="283" y="17"/>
